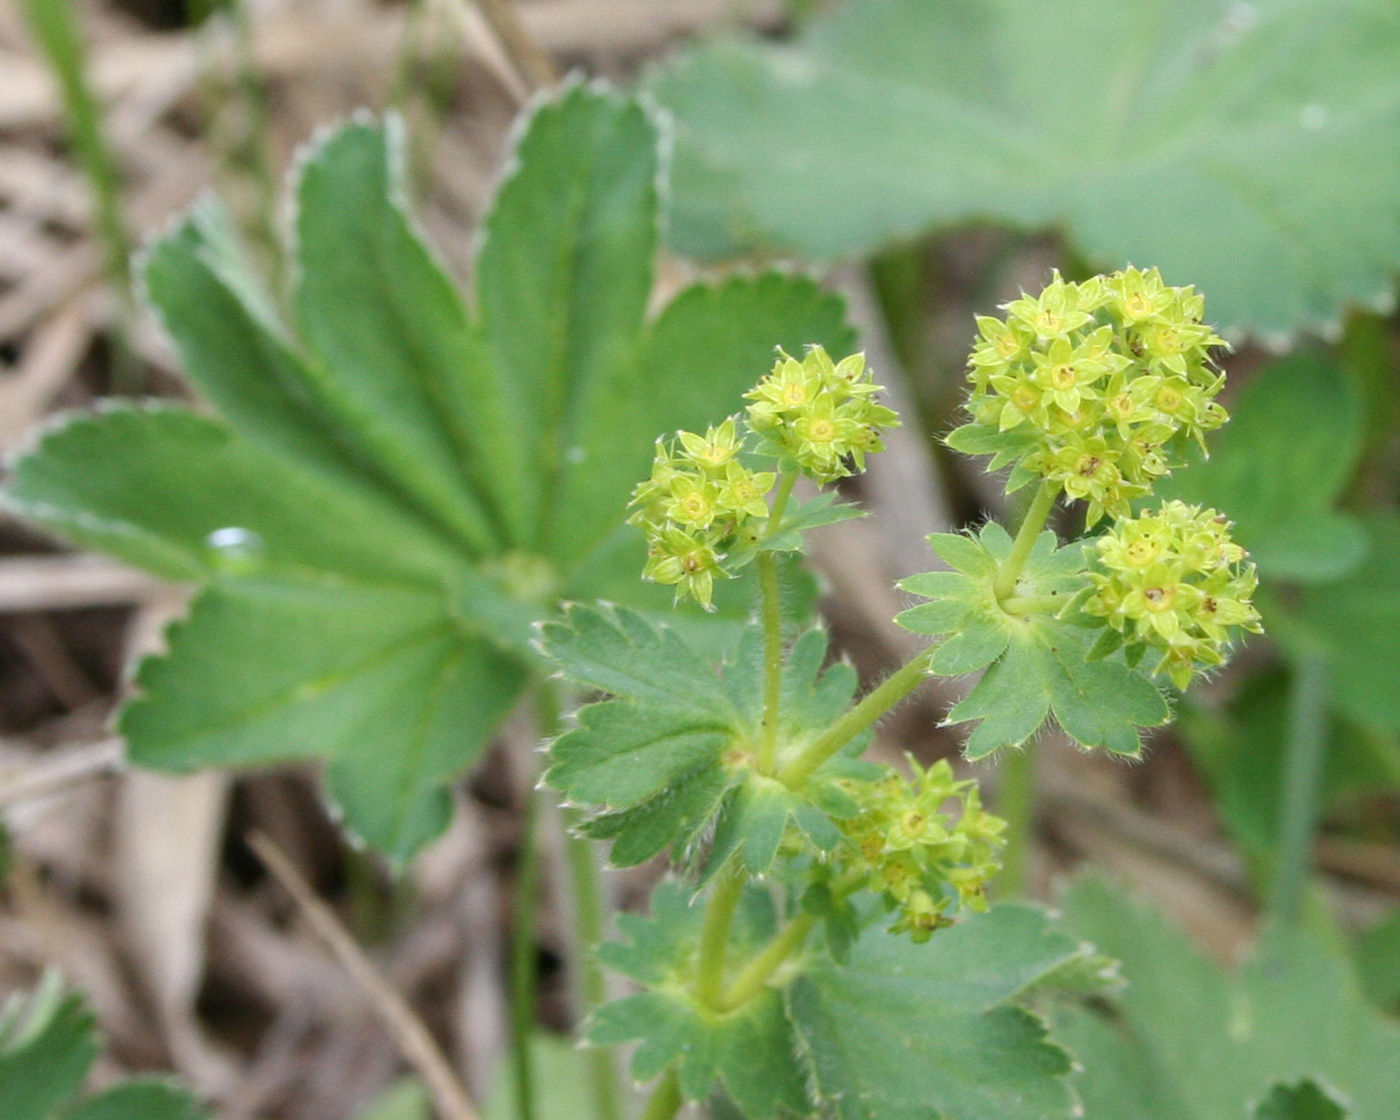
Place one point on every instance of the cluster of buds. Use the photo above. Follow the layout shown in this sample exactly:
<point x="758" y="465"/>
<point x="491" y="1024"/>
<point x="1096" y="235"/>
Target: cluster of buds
<point x="704" y="504"/>
<point x="1102" y="384"/>
<point x="1175" y="582"/>
<point x="699" y="501"/>
<point x="818" y="414"/>
<point x="926" y="861"/>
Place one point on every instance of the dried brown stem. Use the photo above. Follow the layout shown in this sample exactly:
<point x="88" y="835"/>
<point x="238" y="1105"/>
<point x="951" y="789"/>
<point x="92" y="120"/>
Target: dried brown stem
<point x="535" y="67"/>
<point x="414" y="1041"/>
<point x="57" y="769"/>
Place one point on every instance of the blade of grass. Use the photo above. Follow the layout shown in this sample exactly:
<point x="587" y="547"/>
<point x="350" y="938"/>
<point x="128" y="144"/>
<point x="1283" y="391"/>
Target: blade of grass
<point x="56" y="30"/>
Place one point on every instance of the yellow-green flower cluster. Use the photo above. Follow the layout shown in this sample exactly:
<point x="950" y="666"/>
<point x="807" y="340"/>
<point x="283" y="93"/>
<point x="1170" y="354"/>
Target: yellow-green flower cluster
<point x="1104" y="382"/>
<point x="819" y="414"/>
<point x="1175" y="582"/>
<point x="702" y="501"/>
<point x="699" y="501"/>
<point x="924" y="859"/>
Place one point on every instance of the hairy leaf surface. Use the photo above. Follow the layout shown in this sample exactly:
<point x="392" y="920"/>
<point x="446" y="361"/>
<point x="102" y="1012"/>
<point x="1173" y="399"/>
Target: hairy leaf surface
<point x="393" y="444"/>
<point x="751" y="1052"/>
<point x="1197" y="1044"/>
<point x="1243" y="149"/>
<point x="918" y="1032"/>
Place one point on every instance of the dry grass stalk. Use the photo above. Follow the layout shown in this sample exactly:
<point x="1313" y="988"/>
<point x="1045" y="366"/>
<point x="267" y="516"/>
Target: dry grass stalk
<point x="416" y="1044"/>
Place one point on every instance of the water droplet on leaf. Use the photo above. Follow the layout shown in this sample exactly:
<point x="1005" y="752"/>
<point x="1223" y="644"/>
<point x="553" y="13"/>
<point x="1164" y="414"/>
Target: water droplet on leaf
<point x="235" y="551"/>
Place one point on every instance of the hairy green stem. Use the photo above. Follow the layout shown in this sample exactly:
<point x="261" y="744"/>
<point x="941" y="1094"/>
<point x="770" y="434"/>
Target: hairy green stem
<point x="772" y="659"/>
<point x="1302" y="782"/>
<point x="1016" y="803"/>
<point x="780" y="502"/>
<point x="772" y="613"/>
<point x="524" y="966"/>
<point x="590" y="921"/>
<point x="714" y="936"/>
<point x="875" y="704"/>
<point x="754" y="975"/>
<point x="665" y="1099"/>
<point x="1031" y="525"/>
<point x="760" y="970"/>
<point x="590" y="913"/>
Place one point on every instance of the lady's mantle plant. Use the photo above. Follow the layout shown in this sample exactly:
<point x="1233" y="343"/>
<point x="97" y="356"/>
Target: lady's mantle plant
<point x="785" y="969"/>
<point x="399" y="481"/>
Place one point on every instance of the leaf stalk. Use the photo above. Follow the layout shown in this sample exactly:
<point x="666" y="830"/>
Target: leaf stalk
<point x="874" y="705"/>
<point x="1031" y="525"/>
<point x="714" y="936"/>
<point x="1302" y="782"/>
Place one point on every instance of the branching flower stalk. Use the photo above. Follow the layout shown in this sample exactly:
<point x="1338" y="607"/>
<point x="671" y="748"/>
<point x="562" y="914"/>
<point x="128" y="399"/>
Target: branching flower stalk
<point x="752" y="773"/>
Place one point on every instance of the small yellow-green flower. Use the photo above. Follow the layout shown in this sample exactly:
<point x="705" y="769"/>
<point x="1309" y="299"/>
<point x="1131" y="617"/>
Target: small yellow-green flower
<point x="1174" y="581"/>
<point x="927" y="845"/>
<point x="1120" y="363"/>
<point x="818" y="414"/>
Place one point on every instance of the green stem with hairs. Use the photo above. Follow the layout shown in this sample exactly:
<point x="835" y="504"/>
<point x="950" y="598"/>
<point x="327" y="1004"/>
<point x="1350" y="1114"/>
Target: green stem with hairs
<point x="1016" y="803"/>
<point x="760" y="970"/>
<point x="714" y="936"/>
<point x="523" y="967"/>
<point x="1031" y="525"/>
<point x="590" y="912"/>
<point x="772" y="658"/>
<point x="756" y="974"/>
<point x="874" y="705"/>
<point x="1306" y="747"/>
<point x="772" y="613"/>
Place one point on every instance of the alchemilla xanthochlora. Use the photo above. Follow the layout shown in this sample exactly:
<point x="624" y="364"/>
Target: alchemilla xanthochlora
<point x="800" y="932"/>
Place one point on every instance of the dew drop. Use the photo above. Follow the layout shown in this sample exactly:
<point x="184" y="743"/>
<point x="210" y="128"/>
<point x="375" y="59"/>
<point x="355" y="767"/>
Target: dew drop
<point x="575" y="455"/>
<point x="234" y="550"/>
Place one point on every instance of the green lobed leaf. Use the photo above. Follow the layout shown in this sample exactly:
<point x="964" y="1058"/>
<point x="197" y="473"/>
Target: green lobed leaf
<point x="1236" y="148"/>
<point x="385" y="442"/>
<point x="160" y="487"/>
<point x="48" y="1042"/>
<point x="237" y="351"/>
<point x="1279" y="467"/>
<point x="1303" y="1101"/>
<point x="750" y="1052"/>
<point x="917" y="1032"/>
<point x="563" y="277"/>
<point x="373" y="308"/>
<point x="143" y="1099"/>
<point x="1012" y="699"/>
<point x="617" y="651"/>
<point x="1101" y="703"/>
<point x="1037" y="665"/>
<point x="673" y="751"/>
<point x="373" y="679"/>
<point x="1216" y="1043"/>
